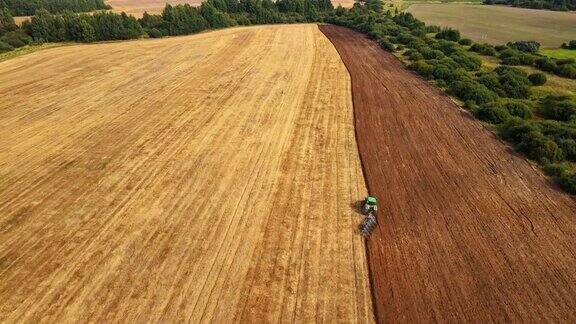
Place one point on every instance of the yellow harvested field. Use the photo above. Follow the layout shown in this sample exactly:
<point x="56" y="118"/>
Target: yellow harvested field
<point x="206" y="178"/>
<point x="138" y="7"/>
<point x="343" y="3"/>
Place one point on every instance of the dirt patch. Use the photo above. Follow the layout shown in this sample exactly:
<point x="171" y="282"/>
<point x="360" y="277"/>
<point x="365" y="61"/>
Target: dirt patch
<point x="468" y="230"/>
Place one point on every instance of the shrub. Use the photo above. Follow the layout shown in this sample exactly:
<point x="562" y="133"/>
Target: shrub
<point x="515" y="128"/>
<point x="499" y="111"/>
<point x="528" y="139"/>
<point x="508" y="52"/>
<point x="565" y="61"/>
<point x="568" y="146"/>
<point x="557" y="107"/>
<point x="527" y="59"/>
<point x="517" y="108"/>
<point x="500" y="48"/>
<point x="545" y="64"/>
<point x="567" y="71"/>
<point x="512" y="60"/>
<point x="514" y="82"/>
<point x="565" y="179"/>
<point x="445" y="46"/>
<point x="553" y="169"/>
<point x="568" y="183"/>
<point x="386" y="45"/>
<point x="422" y="68"/>
<point x="466" y="61"/>
<point x="432" y="29"/>
<point x="458" y="75"/>
<point x="473" y="91"/>
<point x="492" y="113"/>
<point x="414" y="55"/>
<point x="442" y="72"/>
<point x="537" y="78"/>
<point x="540" y="148"/>
<point x="449" y="34"/>
<point x="557" y="129"/>
<point x="441" y="83"/>
<point x="465" y="42"/>
<point x="4" y="47"/>
<point x="430" y="54"/>
<point x="525" y="46"/>
<point x="491" y="81"/>
<point x="484" y="49"/>
<point x="16" y="38"/>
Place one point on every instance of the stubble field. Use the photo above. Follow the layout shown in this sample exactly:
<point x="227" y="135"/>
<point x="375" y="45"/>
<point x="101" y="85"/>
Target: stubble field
<point x="499" y="24"/>
<point x="201" y="178"/>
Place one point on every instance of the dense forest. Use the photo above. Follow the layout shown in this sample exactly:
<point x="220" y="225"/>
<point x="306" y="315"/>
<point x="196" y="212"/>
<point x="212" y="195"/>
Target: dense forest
<point x="560" y="5"/>
<point x="29" y="7"/>
<point x="174" y="20"/>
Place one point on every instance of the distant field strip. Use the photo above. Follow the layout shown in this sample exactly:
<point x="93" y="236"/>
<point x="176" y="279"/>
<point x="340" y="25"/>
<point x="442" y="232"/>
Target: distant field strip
<point x="499" y="24"/>
<point x="202" y="178"/>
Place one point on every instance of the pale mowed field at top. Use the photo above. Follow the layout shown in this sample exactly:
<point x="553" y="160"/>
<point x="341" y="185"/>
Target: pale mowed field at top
<point x="138" y="7"/>
<point x="201" y="178"/>
<point x="499" y="24"/>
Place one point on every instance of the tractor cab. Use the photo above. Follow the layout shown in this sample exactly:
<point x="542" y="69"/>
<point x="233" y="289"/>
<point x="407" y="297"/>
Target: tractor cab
<point x="369" y="205"/>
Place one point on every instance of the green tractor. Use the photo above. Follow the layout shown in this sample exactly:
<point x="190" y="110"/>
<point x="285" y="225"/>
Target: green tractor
<point x="369" y="208"/>
<point x="369" y="205"/>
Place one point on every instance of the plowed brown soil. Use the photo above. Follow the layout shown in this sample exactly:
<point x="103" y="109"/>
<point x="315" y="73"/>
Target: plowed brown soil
<point x="189" y="179"/>
<point x="468" y="230"/>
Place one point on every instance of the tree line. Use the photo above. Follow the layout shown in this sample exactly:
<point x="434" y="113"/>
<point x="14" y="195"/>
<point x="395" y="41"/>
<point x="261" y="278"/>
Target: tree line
<point x="558" y="5"/>
<point x="29" y="7"/>
<point x="45" y="26"/>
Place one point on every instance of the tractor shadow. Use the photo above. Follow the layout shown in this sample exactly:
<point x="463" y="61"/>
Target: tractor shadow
<point x="357" y="207"/>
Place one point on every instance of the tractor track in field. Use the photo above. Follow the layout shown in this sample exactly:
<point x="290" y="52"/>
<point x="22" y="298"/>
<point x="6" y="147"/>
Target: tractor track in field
<point x="468" y="230"/>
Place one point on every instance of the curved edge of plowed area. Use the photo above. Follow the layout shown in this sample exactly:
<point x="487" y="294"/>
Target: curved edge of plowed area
<point x="468" y="230"/>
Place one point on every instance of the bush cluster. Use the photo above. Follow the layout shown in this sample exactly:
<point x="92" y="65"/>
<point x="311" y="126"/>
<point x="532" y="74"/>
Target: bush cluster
<point x="500" y="111"/>
<point x="512" y="55"/>
<point x="537" y="79"/>
<point x="558" y="107"/>
<point x="29" y="7"/>
<point x="449" y="34"/>
<point x="563" y="5"/>
<point x="527" y="138"/>
<point x="525" y="46"/>
<point x="484" y="49"/>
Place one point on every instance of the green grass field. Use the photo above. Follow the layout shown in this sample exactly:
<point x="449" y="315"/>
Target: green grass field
<point x="499" y="24"/>
<point x="27" y="50"/>
<point x="559" y="53"/>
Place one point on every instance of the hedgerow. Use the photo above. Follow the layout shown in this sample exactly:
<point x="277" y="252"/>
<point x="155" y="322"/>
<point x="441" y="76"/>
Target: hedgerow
<point x="500" y="96"/>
